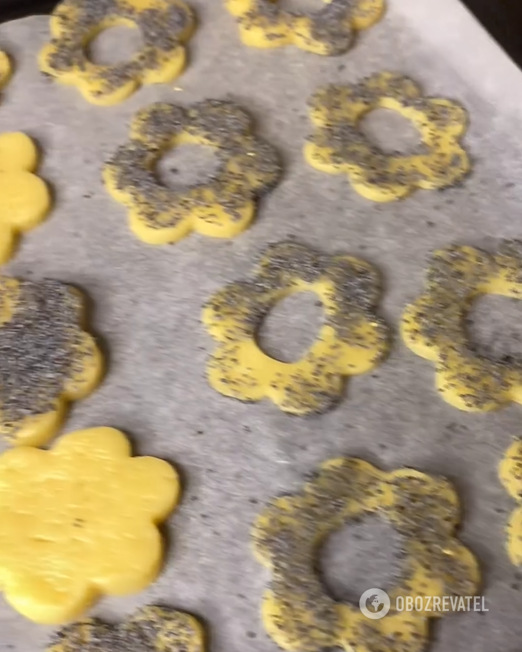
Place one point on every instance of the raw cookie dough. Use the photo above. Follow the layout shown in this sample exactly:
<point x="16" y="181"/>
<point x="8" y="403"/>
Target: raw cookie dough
<point x="329" y="31"/>
<point x="149" y="629"/>
<point x="352" y="340"/>
<point x="434" y="328"/>
<point x="80" y="521"/>
<point x="25" y="199"/>
<point x="510" y="472"/>
<point x="298" y="613"/>
<point x="46" y="359"/>
<point x="6" y="70"/>
<point x="221" y="206"/>
<point x="339" y="146"/>
<point x="164" y="24"/>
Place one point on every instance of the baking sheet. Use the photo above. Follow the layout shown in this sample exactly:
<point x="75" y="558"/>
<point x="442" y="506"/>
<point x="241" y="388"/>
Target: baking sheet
<point x="146" y="306"/>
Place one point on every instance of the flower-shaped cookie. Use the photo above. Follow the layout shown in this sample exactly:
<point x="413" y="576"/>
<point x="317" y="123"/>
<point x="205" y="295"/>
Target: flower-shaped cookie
<point x="80" y="521"/>
<point x="339" y="145"/>
<point x="298" y="613"/>
<point x="434" y="325"/>
<point x="24" y="198"/>
<point x="510" y="472"/>
<point x="221" y="206"/>
<point x="164" y="26"/>
<point x="153" y="629"/>
<point x="46" y="359"/>
<point x="330" y="31"/>
<point x="5" y="69"/>
<point x="352" y="339"/>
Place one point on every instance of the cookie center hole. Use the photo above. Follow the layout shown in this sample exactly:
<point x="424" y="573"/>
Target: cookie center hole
<point x="304" y="6"/>
<point x="187" y="165"/>
<point x="115" y="45"/>
<point x="494" y="325"/>
<point x="390" y="131"/>
<point x="291" y="327"/>
<point x="358" y="557"/>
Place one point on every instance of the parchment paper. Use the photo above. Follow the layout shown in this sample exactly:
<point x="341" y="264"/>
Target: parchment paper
<point x="146" y="308"/>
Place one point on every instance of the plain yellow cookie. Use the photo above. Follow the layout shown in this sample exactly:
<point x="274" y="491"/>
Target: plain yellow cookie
<point x="25" y="199"/>
<point x="79" y="521"/>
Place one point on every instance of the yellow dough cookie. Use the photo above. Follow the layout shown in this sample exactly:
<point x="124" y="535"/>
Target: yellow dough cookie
<point x="510" y="472"/>
<point x="352" y="340"/>
<point x="164" y="24"/>
<point x="221" y="206"/>
<point x="25" y="199"/>
<point x="299" y="614"/>
<point x="80" y="521"/>
<point x="150" y="629"/>
<point x="339" y="146"/>
<point x="329" y="31"/>
<point x="46" y="359"/>
<point x="434" y="328"/>
<point x="6" y="70"/>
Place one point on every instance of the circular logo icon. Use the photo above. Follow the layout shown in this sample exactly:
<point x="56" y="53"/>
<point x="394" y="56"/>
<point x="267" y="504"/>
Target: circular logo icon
<point x="374" y="603"/>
